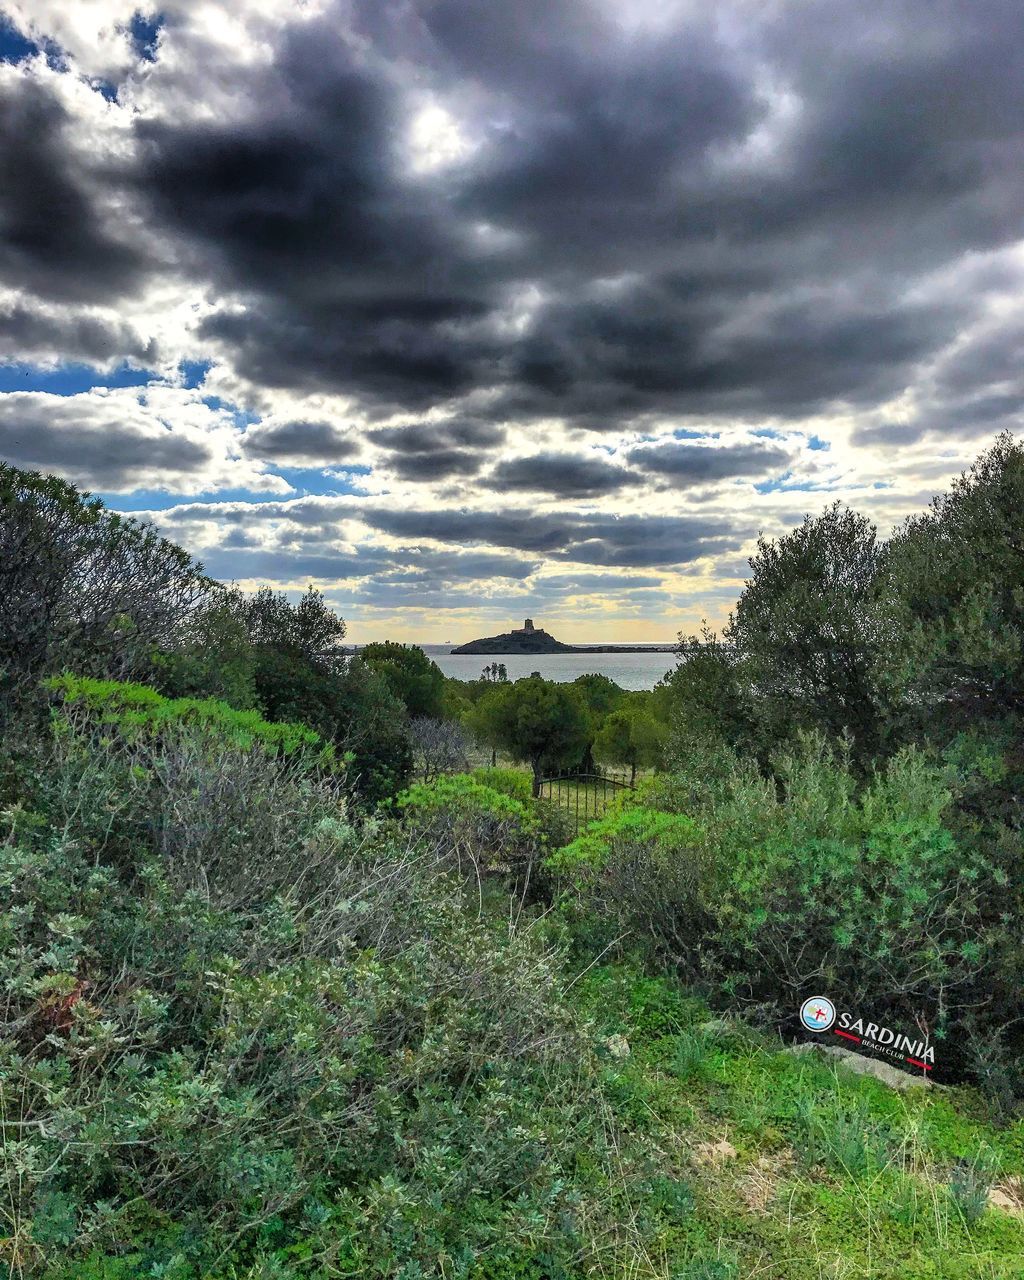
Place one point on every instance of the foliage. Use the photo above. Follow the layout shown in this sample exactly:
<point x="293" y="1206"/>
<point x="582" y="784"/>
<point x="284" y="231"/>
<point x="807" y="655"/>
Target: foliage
<point x="464" y="793"/>
<point x="810" y="882"/>
<point x="810" y="628"/>
<point x="368" y="723"/>
<point x="705" y="697"/>
<point x="214" y="657"/>
<point x="631" y="736"/>
<point x="412" y="677"/>
<point x="633" y="880"/>
<point x="291" y="1047"/>
<point x="512" y="782"/>
<point x="438" y="746"/>
<point x="483" y="829"/>
<point x="958" y="574"/>
<point x="82" y="586"/>
<point x="600" y="694"/>
<point x="129" y="706"/>
<point x="286" y="661"/>
<point x="668" y="833"/>
<point x="826" y="1172"/>
<point x="534" y="720"/>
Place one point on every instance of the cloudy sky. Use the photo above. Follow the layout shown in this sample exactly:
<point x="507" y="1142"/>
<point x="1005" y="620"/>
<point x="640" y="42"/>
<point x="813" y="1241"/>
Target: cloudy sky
<point x="467" y="309"/>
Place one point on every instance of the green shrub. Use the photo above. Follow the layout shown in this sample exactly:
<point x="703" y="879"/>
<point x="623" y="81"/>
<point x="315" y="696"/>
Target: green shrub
<point x="510" y="782"/>
<point x="970" y="1182"/>
<point x="127" y="707"/>
<point x="477" y="828"/>
<point x="268" y="1045"/>
<point x="866" y="895"/>
<point x="811" y="880"/>
<point x="465" y="793"/>
<point x="667" y="834"/>
<point x="633" y="880"/>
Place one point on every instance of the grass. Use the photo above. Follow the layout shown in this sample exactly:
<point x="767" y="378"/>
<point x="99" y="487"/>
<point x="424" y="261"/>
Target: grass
<point x="795" y="1169"/>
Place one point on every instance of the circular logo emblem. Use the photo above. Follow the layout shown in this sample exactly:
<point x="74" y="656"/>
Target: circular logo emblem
<point x="818" y="1013"/>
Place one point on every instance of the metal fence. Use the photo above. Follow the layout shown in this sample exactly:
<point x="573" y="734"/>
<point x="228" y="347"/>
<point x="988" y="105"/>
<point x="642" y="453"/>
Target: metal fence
<point x="583" y="796"/>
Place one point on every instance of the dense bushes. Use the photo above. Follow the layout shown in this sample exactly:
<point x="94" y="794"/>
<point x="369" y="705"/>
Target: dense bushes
<point x="127" y="707"/>
<point x="82" y="586"/>
<point x="810" y="882"/>
<point x="631" y="880"/>
<point x="484" y="823"/>
<point x="269" y="1012"/>
<point x="242" y="1032"/>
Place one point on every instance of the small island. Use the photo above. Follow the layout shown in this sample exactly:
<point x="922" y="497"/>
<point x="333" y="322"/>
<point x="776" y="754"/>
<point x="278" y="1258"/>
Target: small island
<point x="531" y="639"/>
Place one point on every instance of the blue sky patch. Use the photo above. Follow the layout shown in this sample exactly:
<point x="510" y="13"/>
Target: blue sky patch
<point x="313" y="482"/>
<point x="70" y="379"/>
<point x="144" y="31"/>
<point x="14" y="47"/>
<point x="159" y="500"/>
<point x="193" y="373"/>
<point x="105" y="88"/>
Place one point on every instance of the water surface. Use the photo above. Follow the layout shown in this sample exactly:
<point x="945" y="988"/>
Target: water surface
<point x="628" y="670"/>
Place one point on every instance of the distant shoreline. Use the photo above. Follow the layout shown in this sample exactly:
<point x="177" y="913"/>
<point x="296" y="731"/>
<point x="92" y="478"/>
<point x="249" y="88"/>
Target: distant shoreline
<point x="578" y="648"/>
<point x="540" y="653"/>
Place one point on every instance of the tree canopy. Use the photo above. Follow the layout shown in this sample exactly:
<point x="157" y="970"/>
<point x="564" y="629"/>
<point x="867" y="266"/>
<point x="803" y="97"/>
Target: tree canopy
<point x="83" y="585"/>
<point x="412" y="677"/>
<point x="541" y="723"/>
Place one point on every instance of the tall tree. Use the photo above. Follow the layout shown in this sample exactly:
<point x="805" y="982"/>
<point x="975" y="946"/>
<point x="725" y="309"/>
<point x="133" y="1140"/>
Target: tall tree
<point x="535" y="720"/>
<point x="958" y="573"/>
<point x="704" y="696"/>
<point x="410" y="675"/>
<point x="83" y="587"/>
<point x="810" y="631"/>
<point x="632" y="737"/>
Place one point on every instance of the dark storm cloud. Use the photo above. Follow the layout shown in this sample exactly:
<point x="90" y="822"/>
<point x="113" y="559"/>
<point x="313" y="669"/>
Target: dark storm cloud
<point x="437" y="465"/>
<point x="621" y="541"/>
<point x="43" y="432"/>
<point x="29" y="332"/>
<point x="740" y="210"/>
<point x="54" y="241"/>
<point x="304" y="206"/>
<point x="566" y="475"/>
<point x="421" y="568"/>
<point x="684" y="464"/>
<point x="426" y="437"/>
<point x="436" y="451"/>
<point x="273" y="565"/>
<point x="300" y="443"/>
<point x="680" y="269"/>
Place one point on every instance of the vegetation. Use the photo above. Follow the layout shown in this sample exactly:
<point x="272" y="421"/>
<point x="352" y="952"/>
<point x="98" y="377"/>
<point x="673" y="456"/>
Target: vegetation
<point x="82" y="585"/>
<point x="631" y="736"/>
<point x="541" y="723"/>
<point x="409" y="674"/>
<point x="290" y="991"/>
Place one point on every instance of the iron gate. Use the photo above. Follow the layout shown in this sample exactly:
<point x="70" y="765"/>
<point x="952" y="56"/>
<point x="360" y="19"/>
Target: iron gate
<point x="583" y="796"/>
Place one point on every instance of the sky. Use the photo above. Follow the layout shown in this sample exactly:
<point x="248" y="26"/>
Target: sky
<point x="466" y="311"/>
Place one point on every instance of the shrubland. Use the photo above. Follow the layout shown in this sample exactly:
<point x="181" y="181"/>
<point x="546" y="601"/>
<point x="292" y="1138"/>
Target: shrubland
<point x="244" y="1034"/>
<point x="291" y="991"/>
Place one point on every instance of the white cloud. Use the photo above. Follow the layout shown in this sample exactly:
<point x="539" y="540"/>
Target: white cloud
<point x="123" y="439"/>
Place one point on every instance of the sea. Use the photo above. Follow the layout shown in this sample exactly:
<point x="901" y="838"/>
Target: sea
<point x="628" y="670"/>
